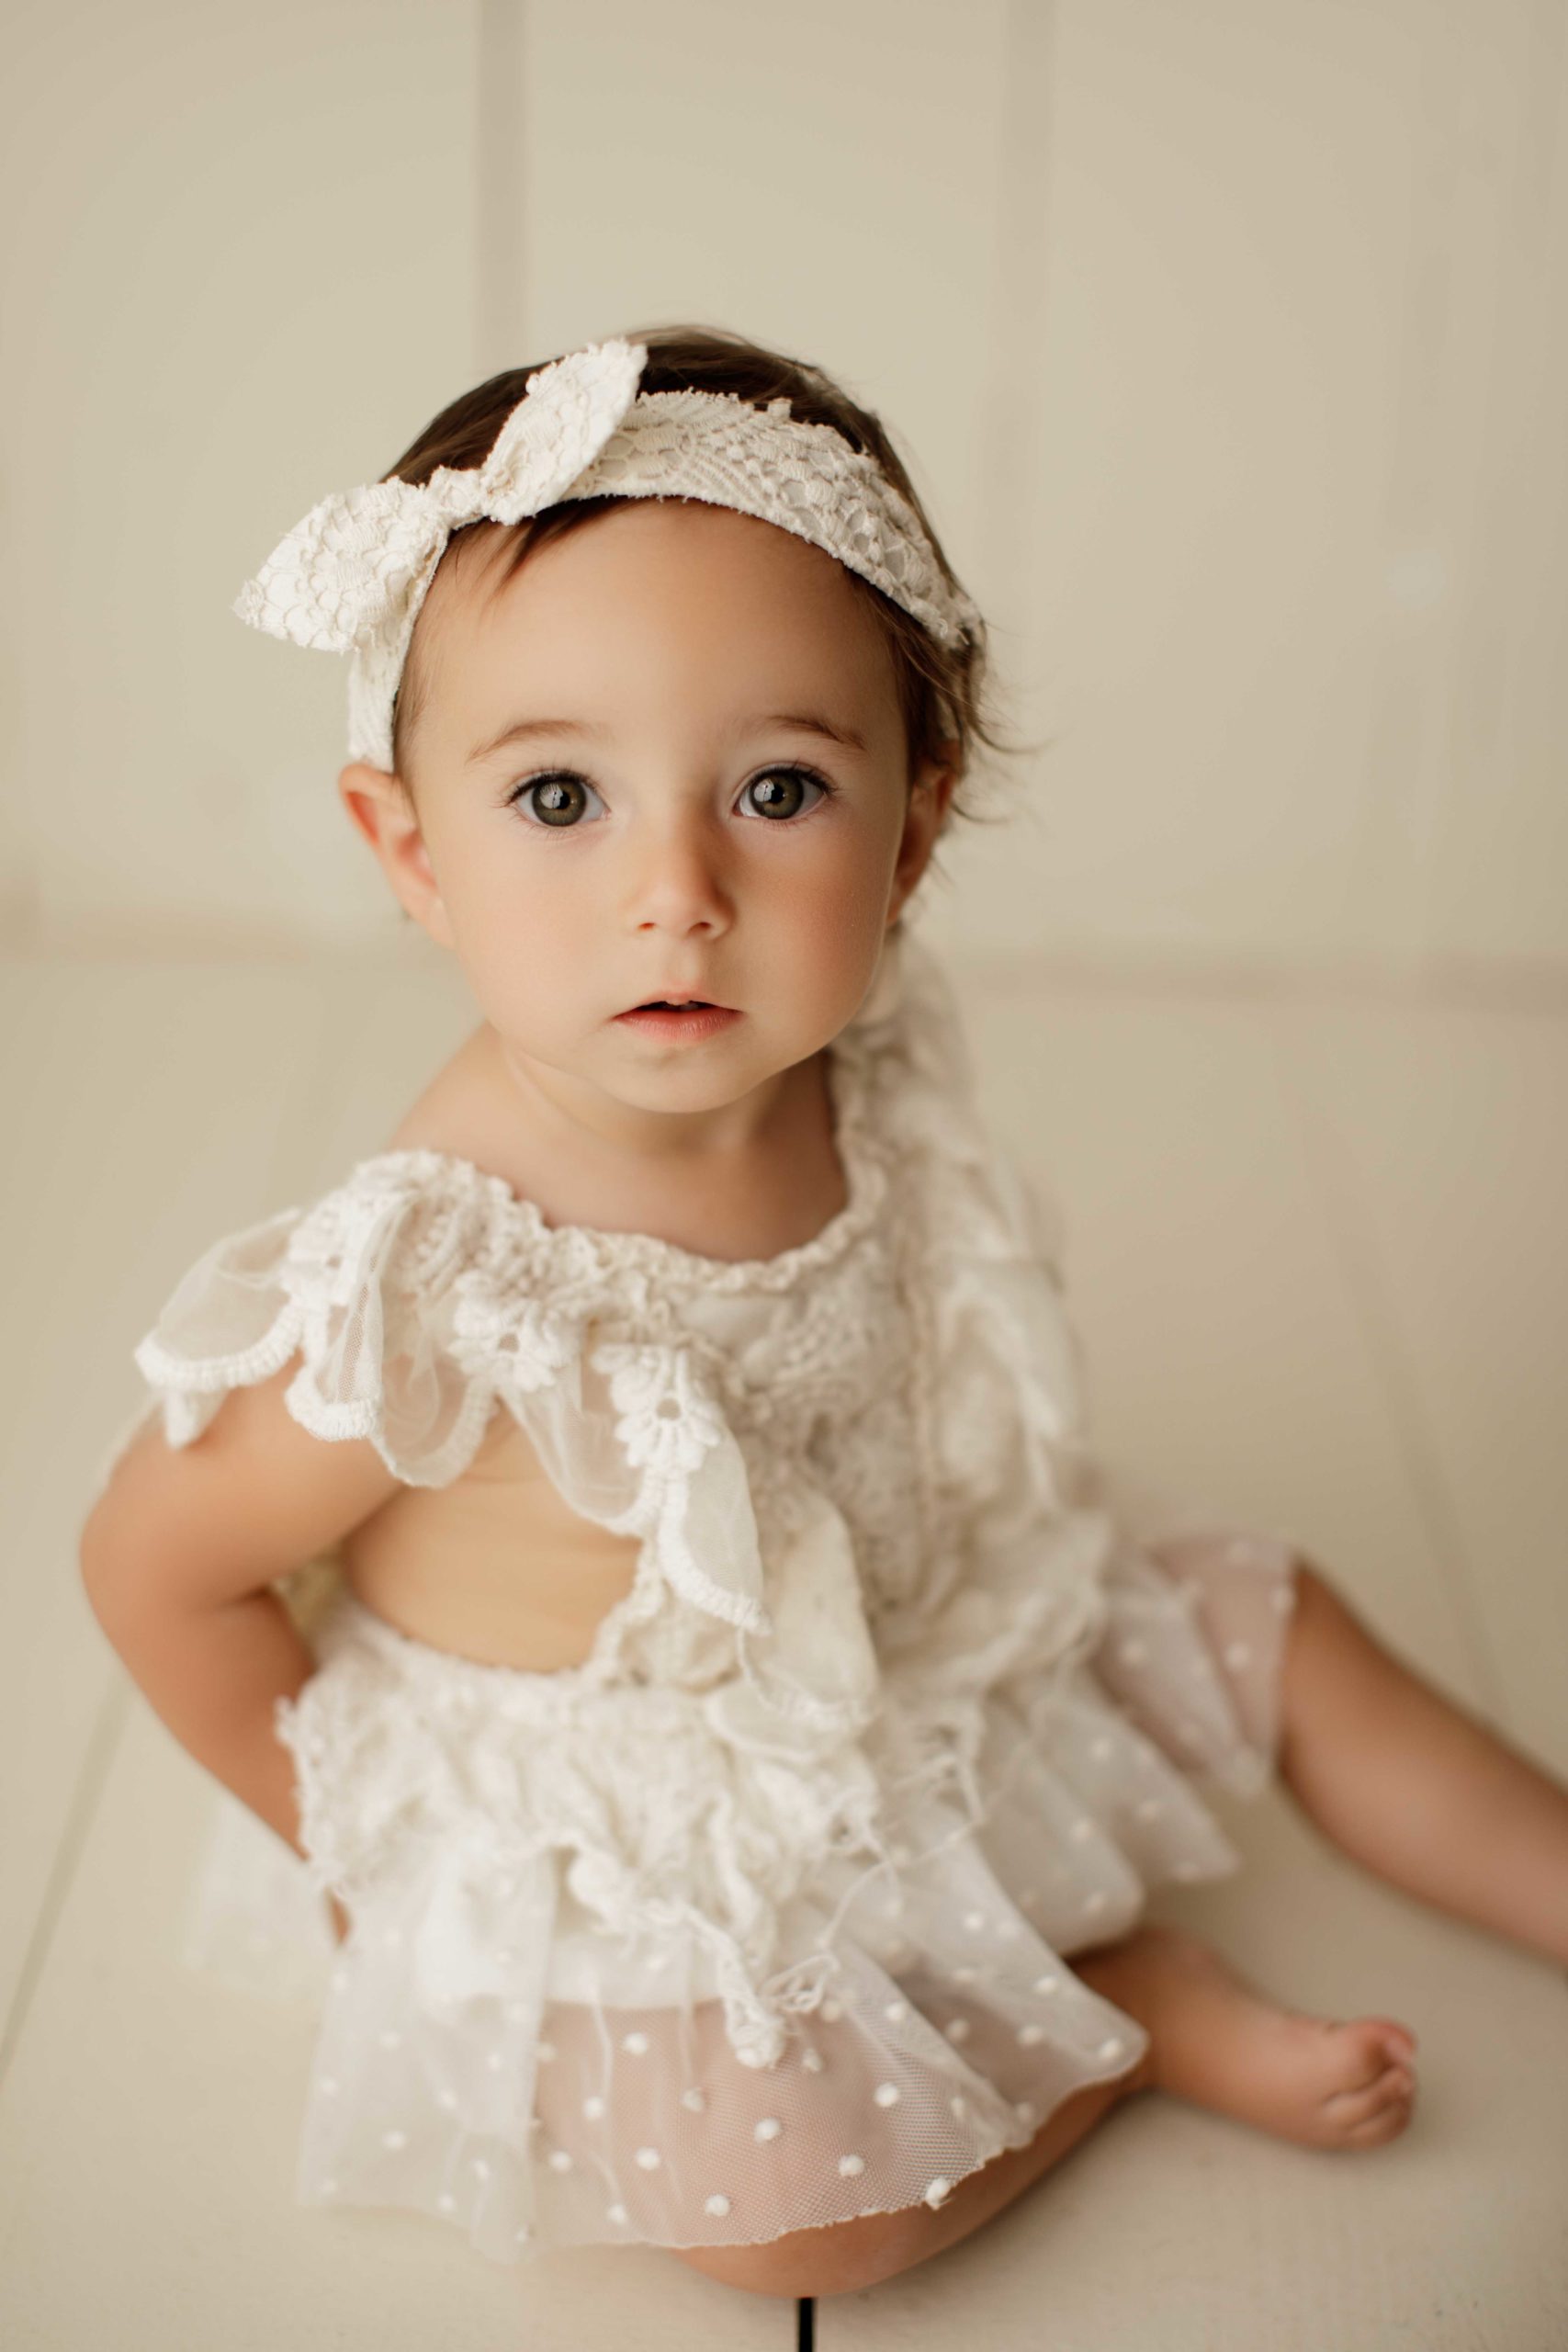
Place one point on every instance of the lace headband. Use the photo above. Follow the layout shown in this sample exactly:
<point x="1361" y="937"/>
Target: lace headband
<point x="352" y="576"/>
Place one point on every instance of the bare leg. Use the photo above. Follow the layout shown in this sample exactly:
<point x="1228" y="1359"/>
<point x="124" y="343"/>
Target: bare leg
<point x="1409" y="1785"/>
<point x="1216" y="2039"/>
<point x="844" y="2257"/>
<point x="1212" y="2040"/>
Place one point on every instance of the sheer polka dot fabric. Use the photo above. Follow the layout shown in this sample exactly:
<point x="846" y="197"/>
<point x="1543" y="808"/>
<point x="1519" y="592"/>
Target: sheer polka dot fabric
<point x="763" y="1916"/>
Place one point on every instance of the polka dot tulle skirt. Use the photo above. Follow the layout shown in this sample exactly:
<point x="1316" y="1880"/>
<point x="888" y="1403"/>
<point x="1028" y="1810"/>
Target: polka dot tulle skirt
<point x="545" y="2046"/>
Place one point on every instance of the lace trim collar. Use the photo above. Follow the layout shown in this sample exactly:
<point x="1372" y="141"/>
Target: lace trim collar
<point x="597" y="1250"/>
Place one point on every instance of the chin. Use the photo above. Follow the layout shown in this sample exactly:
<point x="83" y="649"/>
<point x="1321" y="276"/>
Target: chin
<point x="685" y="1087"/>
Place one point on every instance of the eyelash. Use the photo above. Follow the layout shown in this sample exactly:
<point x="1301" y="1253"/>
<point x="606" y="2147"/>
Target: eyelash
<point x="776" y="767"/>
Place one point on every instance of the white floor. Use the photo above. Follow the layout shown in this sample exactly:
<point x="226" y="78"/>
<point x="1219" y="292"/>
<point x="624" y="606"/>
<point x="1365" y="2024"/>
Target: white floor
<point x="1315" y="1247"/>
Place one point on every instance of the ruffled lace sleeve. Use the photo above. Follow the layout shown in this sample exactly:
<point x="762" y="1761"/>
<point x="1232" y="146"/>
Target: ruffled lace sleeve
<point x="419" y="1294"/>
<point x="360" y="1286"/>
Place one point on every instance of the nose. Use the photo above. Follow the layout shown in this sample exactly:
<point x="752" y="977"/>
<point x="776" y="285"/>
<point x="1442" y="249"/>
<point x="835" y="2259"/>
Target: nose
<point x="678" y="881"/>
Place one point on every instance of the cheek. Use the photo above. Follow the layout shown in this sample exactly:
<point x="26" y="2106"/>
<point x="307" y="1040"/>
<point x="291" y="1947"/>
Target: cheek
<point x="840" y="896"/>
<point x="837" y="910"/>
<point x="819" y="931"/>
<point x="513" y="915"/>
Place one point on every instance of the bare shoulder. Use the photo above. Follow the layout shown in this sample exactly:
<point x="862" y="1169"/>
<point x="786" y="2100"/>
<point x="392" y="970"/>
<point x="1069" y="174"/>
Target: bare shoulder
<point x="468" y="1112"/>
<point x="447" y="1115"/>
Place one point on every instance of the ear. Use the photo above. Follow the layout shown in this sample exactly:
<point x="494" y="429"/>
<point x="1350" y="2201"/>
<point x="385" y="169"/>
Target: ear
<point x="930" y="794"/>
<point x="383" y="812"/>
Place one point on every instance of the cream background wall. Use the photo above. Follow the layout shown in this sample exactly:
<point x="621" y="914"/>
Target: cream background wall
<point x="1226" y="341"/>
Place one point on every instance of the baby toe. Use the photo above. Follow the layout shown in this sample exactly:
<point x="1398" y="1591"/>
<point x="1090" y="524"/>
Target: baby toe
<point x="1345" y="2109"/>
<point x="1387" y="2124"/>
<point x="1369" y="2052"/>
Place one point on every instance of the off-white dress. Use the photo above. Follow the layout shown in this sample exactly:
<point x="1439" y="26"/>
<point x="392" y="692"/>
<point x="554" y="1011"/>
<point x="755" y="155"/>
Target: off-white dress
<point x="761" y="1917"/>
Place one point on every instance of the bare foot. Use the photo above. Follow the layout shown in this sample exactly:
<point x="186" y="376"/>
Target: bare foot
<point x="1214" y="2040"/>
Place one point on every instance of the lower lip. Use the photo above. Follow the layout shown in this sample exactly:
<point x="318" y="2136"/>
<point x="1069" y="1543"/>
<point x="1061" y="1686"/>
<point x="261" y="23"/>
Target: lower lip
<point x="681" y="1028"/>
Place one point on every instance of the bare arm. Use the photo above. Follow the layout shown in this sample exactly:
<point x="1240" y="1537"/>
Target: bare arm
<point x="213" y="1675"/>
<point x="177" y="1559"/>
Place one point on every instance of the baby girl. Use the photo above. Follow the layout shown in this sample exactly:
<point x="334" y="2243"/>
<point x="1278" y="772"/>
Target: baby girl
<point x="739" y="1728"/>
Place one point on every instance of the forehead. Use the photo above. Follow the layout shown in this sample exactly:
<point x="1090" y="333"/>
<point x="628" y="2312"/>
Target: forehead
<point x="655" y="590"/>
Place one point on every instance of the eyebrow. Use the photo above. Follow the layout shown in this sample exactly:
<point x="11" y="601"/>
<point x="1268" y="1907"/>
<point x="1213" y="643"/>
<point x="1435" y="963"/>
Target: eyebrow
<point x="806" y="722"/>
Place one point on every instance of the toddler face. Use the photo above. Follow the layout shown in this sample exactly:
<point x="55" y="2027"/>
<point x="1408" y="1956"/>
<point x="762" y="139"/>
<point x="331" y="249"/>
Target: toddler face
<point x="679" y="827"/>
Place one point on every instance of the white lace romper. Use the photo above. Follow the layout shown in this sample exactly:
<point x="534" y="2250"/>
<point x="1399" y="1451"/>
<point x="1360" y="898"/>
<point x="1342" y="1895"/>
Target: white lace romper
<point x="758" y="1918"/>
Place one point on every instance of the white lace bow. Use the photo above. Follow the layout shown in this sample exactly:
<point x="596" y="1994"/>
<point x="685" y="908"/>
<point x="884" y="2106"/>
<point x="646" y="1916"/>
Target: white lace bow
<point x="352" y="576"/>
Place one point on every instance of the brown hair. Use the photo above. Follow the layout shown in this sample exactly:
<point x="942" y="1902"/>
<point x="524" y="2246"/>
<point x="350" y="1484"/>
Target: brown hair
<point x="943" y="693"/>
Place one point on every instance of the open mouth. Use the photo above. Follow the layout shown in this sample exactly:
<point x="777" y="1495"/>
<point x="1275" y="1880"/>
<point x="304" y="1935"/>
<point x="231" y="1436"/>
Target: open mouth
<point x="680" y="1004"/>
<point x="692" y="1017"/>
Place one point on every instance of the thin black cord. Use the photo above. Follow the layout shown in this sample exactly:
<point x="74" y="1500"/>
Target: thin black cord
<point x="805" y="2306"/>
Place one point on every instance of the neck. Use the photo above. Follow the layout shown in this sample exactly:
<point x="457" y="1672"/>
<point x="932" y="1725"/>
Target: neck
<point x="572" y="1117"/>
